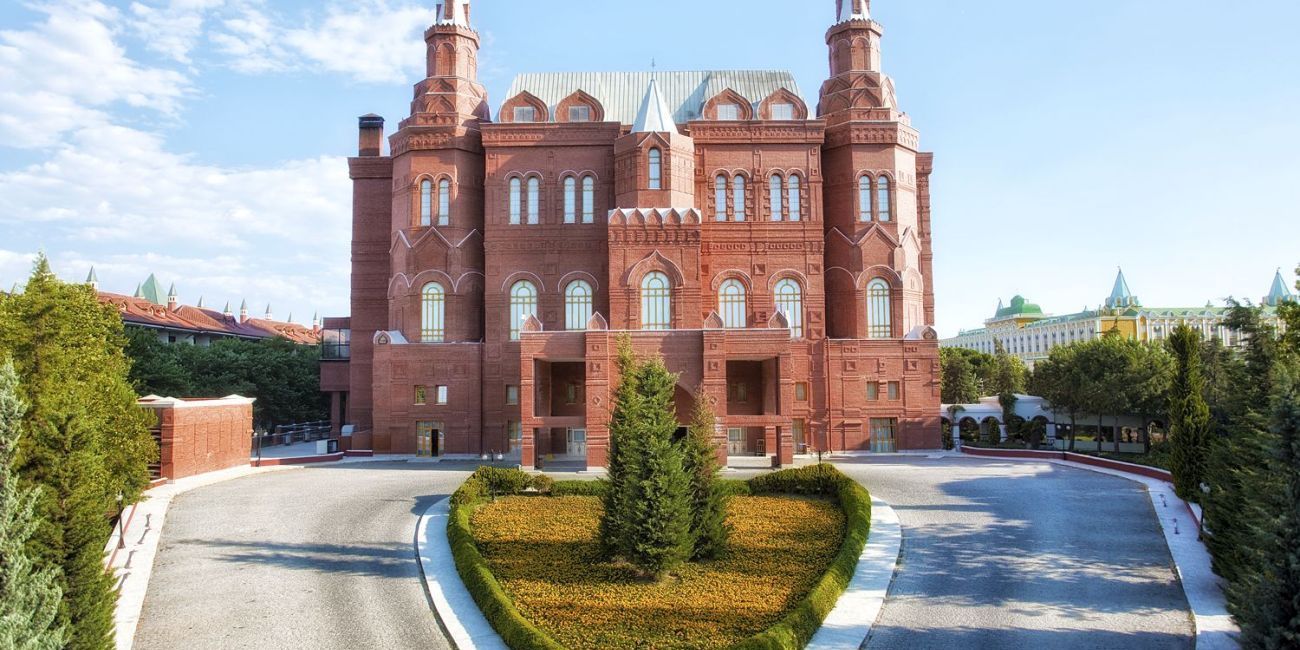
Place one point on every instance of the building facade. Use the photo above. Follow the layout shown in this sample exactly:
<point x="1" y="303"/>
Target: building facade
<point x="1026" y="332"/>
<point x="778" y="258"/>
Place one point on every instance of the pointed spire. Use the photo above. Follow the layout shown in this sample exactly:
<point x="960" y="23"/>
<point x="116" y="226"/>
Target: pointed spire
<point x="92" y="279"/>
<point x="1120" y="296"/>
<point x="846" y="10"/>
<point x="1278" y="293"/>
<point x="453" y="12"/>
<point x="268" y="312"/>
<point x="290" y="318"/>
<point x="243" y="311"/>
<point x="200" y="305"/>
<point x="226" y="311"/>
<point x="654" y="116"/>
<point x="139" y="291"/>
<point x="315" y="320"/>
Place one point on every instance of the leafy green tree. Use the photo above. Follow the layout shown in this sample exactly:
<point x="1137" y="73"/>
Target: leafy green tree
<point x="1149" y="378"/>
<point x="1189" y="415"/>
<point x="958" y="382"/>
<point x="29" y="596"/>
<point x="709" y="526"/>
<point x="1058" y="380"/>
<point x="86" y="442"/>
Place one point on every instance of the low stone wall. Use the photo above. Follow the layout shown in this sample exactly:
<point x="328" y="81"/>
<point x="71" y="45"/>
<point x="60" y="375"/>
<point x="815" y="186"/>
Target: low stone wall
<point x="1084" y="459"/>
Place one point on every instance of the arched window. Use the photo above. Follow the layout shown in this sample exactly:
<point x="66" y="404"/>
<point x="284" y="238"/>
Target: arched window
<point x="426" y="202"/>
<point x="731" y="305"/>
<point x="774" y="193"/>
<point x="534" y="200"/>
<point x="720" y="197"/>
<point x="516" y="201"/>
<point x="789" y="301"/>
<point x="570" y="200"/>
<point x="882" y="197"/>
<point x="577" y="305"/>
<point x="864" y="199"/>
<point x="433" y="302"/>
<point x="738" y="197"/>
<point x="444" y="202"/>
<point x="656" y="169"/>
<point x="588" y="199"/>
<point x="794" y="209"/>
<point x="879" y="324"/>
<point x="523" y="303"/>
<point x="656" y="302"/>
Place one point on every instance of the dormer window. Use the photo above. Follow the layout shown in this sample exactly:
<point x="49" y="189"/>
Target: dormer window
<point x="579" y="113"/>
<point x="656" y="169"/>
<point x="525" y="114"/>
<point x="728" y="112"/>
<point x="783" y="111"/>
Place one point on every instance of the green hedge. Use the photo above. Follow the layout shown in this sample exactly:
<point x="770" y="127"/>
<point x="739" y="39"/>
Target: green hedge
<point x="790" y="633"/>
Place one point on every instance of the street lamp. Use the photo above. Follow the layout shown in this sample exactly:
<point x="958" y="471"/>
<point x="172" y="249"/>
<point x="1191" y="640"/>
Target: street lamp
<point x="121" y="525"/>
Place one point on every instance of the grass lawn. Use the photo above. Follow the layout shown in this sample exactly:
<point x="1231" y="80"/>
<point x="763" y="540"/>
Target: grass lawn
<point x="544" y="552"/>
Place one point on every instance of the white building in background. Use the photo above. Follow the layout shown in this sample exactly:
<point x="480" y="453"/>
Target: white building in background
<point x="1028" y="333"/>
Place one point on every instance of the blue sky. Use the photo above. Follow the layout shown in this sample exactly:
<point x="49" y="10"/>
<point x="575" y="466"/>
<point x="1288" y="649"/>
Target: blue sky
<point x="205" y="140"/>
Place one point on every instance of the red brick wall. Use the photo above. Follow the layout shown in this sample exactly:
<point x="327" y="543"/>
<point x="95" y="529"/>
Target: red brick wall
<point x="201" y="439"/>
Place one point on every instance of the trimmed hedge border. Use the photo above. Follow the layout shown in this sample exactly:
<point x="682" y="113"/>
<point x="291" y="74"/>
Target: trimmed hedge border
<point x="792" y="632"/>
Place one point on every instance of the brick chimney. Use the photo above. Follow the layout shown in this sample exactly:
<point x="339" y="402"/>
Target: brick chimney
<point x="372" y="136"/>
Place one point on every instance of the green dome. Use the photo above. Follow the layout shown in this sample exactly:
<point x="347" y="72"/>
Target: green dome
<point x="1019" y="307"/>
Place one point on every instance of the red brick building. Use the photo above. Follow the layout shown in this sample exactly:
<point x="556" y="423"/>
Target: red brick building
<point x="197" y="436"/>
<point x="778" y="257"/>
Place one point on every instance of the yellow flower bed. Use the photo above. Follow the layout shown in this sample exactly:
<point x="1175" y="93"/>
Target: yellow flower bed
<point x="544" y="552"/>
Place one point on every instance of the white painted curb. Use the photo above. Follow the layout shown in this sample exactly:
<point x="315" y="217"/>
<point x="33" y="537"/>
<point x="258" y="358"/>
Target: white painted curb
<point x="847" y="626"/>
<point x="849" y="623"/>
<point x="455" y="607"/>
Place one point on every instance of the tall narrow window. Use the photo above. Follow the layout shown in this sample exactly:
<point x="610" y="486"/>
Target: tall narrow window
<point x="720" y="197"/>
<point x="433" y="302"/>
<point x="588" y="199"/>
<point x="731" y="305"/>
<point x="794" y="205"/>
<point x="570" y="200"/>
<point x="516" y="201"/>
<point x="879" y="323"/>
<point x="426" y="203"/>
<point x="534" y="200"/>
<point x="882" y="197"/>
<point x="864" y="199"/>
<point x="523" y="303"/>
<point x="577" y="306"/>
<point x="774" y="196"/>
<point x="789" y="301"/>
<point x="738" y="198"/>
<point x="444" y="202"/>
<point x="656" y="169"/>
<point x="656" y="302"/>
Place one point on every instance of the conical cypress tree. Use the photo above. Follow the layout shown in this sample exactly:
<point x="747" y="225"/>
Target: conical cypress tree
<point x="1189" y="415"/>
<point x="29" y="596"/>
<point x="622" y="455"/>
<point x="660" y="531"/>
<point x="709" y="528"/>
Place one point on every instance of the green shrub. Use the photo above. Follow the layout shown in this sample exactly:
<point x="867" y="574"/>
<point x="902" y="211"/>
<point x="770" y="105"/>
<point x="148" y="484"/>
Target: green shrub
<point x="579" y="488"/>
<point x="470" y="491"/>
<point x="732" y="488"/>
<point x="821" y="479"/>
<point x="542" y="483"/>
<point x="502" y="481"/>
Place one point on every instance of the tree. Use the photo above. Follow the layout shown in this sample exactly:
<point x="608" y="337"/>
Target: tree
<point x="1189" y="415"/>
<point x="1008" y="380"/>
<point x="1058" y="380"/>
<point x="1103" y="366"/>
<point x="660" y="530"/>
<point x="623" y="440"/>
<point x="1149" y="377"/>
<point x="709" y="528"/>
<point x="29" y="596"/>
<point x="959" y="385"/>
<point x="86" y="442"/>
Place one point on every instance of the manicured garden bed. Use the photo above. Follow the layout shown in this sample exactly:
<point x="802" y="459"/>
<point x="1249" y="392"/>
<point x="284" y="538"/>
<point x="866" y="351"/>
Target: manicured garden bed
<point x="534" y="566"/>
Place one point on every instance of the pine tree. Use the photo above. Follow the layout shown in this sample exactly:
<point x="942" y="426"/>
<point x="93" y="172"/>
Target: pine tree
<point x="660" y="531"/>
<point x="1189" y="415"/>
<point x="623" y="440"/>
<point x="86" y="442"/>
<point x="709" y="527"/>
<point x="29" y="596"/>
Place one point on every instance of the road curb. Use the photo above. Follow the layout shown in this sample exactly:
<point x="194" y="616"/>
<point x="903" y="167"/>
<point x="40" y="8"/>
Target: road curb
<point x="465" y="625"/>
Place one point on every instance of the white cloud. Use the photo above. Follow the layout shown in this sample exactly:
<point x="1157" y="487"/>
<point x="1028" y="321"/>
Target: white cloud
<point x="172" y="29"/>
<point x="69" y="69"/>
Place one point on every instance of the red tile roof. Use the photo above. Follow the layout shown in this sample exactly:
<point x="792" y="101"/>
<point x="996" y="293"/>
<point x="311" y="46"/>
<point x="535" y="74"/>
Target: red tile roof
<point x="195" y="320"/>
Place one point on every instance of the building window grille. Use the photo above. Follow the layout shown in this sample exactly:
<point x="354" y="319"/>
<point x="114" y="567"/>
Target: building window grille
<point x="336" y="344"/>
<point x="444" y="202"/>
<point x="534" y="200"/>
<point x="426" y="203"/>
<point x="879" y="322"/>
<point x="433" y="302"/>
<point x="775" y="194"/>
<point x="738" y="197"/>
<point x="588" y="199"/>
<point x="570" y="200"/>
<point x="577" y="306"/>
<point x="789" y="301"/>
<point x="525" y="114"/>
<point x="882" y="435"/>
<point x="731" y="303"/>
<point x="656" y="169"/>
<point x="783" y="111"/>
<point x="728" y="112"/>
<point x="794" y="206"/>
<point x="882" y="197"/>
<point x="656" y="302"/>
<point x="516" y="201"/>
<point x="579" y="113"/>
<point x="523" y="303"/>
<point x="720" y="197"/>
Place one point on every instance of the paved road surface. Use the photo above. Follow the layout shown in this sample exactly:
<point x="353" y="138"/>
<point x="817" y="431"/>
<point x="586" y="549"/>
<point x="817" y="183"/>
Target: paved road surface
<point x="1012" y="555"/>
<point x="306" y="558"/>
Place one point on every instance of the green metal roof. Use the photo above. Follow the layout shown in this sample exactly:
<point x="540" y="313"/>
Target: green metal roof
<point x="1019" y="307"/>
<point x="152" y="291"/>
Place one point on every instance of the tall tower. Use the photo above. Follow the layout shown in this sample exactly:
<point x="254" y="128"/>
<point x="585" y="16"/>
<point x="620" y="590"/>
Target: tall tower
<point x="877" y="203"/>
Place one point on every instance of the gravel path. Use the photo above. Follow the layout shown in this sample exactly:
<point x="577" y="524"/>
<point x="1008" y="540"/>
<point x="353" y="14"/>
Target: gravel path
<point x="1023" y="555"/>
<point x="310" y="558"/>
